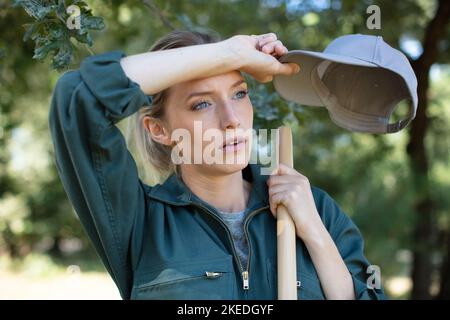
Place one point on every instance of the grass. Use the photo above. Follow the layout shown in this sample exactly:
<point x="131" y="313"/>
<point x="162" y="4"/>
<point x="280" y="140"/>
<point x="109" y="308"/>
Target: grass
<point x="41" y="277"/>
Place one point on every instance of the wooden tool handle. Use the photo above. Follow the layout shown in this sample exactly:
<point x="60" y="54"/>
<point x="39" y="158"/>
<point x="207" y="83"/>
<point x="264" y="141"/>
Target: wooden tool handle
<point x="286" y="235"/>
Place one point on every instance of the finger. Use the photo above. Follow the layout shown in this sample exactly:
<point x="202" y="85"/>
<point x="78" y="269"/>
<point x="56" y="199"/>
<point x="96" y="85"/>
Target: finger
<point x="262" y="39"/>
<point x="281" y="169"/>
<point x="281" y="49"/>
<point x="269" y="47"/>
<point x="276" y="200"/>
<point x="287" y="178"/>
<point x="258" y="38"/>
<point x="278" y="49"/>
<point x="285" y="169"/>
<point x="275" y="170"/>
<point x="285" y="187"/>
<point x="265" y="79"/>
<point x="265" y="38"/>
<point x="283" y="179"/>
<point x="288" y="68"/>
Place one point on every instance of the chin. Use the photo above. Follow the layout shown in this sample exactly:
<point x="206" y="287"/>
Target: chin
<point x="225" y="169"/>
<point x="231" y="168"/>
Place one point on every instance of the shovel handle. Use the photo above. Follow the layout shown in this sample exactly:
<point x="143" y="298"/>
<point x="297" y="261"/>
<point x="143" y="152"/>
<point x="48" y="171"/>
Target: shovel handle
<point x="286" y="235"/>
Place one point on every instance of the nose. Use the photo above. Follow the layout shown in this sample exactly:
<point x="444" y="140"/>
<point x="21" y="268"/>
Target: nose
<point x="229" y="119"/>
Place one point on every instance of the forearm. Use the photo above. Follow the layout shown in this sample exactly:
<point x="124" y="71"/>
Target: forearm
<point x="334" y="276"/>
<point x="157" y="70"/>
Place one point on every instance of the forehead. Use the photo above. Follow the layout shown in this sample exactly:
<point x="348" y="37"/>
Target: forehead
<point x="218" y="82"/>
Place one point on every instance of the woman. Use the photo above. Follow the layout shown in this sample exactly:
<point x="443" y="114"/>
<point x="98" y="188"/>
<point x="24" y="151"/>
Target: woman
<point x="209" y="230"/>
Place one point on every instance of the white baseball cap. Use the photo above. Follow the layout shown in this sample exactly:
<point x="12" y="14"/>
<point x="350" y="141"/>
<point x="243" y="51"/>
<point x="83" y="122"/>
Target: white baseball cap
<point x="359" y="78"/>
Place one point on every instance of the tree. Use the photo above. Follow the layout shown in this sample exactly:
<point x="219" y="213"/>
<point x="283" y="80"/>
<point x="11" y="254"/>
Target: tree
<point x="365" y="173"/>
<point x="425" y="230"/>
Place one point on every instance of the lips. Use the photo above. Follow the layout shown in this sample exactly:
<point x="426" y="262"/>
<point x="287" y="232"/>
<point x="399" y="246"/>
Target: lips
<point x="234" y="145"/>
<point x="233" y="141"/>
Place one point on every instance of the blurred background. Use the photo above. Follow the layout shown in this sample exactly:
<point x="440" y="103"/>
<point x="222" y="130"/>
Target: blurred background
<point x="395" y="187"/>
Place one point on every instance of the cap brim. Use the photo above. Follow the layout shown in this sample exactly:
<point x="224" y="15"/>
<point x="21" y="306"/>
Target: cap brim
<point x="298" y="87"/>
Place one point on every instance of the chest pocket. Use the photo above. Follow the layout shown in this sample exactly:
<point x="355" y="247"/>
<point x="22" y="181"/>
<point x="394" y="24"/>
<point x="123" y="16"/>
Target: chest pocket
<point x="206" y="279"/>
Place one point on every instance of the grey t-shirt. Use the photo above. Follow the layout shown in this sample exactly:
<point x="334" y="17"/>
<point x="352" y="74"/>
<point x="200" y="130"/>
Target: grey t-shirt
<point x="235" y="222"/>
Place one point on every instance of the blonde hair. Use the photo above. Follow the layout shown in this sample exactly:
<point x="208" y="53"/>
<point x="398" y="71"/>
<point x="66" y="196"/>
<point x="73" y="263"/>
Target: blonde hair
<point x="150" y="152"/>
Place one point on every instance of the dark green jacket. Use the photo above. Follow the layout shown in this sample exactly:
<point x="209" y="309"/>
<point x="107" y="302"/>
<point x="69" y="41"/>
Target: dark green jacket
<point x="163" y="242"/>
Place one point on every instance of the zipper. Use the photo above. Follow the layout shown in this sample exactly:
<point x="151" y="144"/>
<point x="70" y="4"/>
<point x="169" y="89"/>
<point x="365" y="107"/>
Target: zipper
<point x="208" y="275"/>
<point x="145" y="287"/>
<point x="244" y="273"/>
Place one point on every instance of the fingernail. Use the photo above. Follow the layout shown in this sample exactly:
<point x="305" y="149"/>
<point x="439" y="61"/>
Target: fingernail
<point x="297" y="69"/>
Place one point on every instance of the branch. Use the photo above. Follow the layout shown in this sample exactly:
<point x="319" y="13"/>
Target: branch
<point x="434" y="32"/>
<point x="152" y="6"/>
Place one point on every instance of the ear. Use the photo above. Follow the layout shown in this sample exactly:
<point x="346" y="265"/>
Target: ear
<point x="157" y="130"/>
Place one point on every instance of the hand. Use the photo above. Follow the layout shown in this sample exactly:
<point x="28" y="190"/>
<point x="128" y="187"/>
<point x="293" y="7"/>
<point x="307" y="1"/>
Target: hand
<point x="292" y="189"/>
<point x="259" y="56"/>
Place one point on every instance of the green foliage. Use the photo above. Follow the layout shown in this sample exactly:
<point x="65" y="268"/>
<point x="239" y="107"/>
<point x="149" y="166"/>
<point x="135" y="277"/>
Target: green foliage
<point x="270" y="110"/>
<point x="54" y="27"/>
<point x="368" y="175"/>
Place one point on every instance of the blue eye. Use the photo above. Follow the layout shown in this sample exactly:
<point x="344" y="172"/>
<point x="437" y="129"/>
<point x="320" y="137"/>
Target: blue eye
<point x="245" y="92"/>
<point x="203" y="104"/>
<point x="197" y="106"/>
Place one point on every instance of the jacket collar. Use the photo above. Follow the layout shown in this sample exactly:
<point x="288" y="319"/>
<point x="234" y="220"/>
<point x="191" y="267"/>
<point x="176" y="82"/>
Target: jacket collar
<point x="175" y="192"/>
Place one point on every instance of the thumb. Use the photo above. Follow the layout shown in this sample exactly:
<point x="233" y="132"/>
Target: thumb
<point x="275" y="171"/>
<point x="288" y="68"/>
<point x="285" y="169"/>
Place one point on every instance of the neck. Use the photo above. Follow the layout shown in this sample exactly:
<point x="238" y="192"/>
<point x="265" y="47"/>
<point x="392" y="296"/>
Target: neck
<point x="229" y="193"/>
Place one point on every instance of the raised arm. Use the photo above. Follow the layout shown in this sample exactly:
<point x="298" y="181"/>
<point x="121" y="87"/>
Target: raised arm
<point x="98" y="173"/>
<point x="239" y="52"/>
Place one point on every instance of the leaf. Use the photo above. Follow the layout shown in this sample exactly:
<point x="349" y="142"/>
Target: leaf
<point x="91" y="22"/>
<point x="31" y="29"/>
<point x="37" y="9"/>
<point x="51" y="33"/>
<point x="41" y="52"/>
<point x="62" y="58"/>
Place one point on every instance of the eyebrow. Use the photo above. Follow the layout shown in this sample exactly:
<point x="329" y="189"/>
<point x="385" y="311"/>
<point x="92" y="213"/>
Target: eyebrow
<point x="202" y="93"/>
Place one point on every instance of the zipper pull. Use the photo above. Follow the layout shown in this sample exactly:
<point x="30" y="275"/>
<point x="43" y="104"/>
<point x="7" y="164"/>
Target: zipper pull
<point x="213" y="275"/>
<point x="245" y="279"/>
